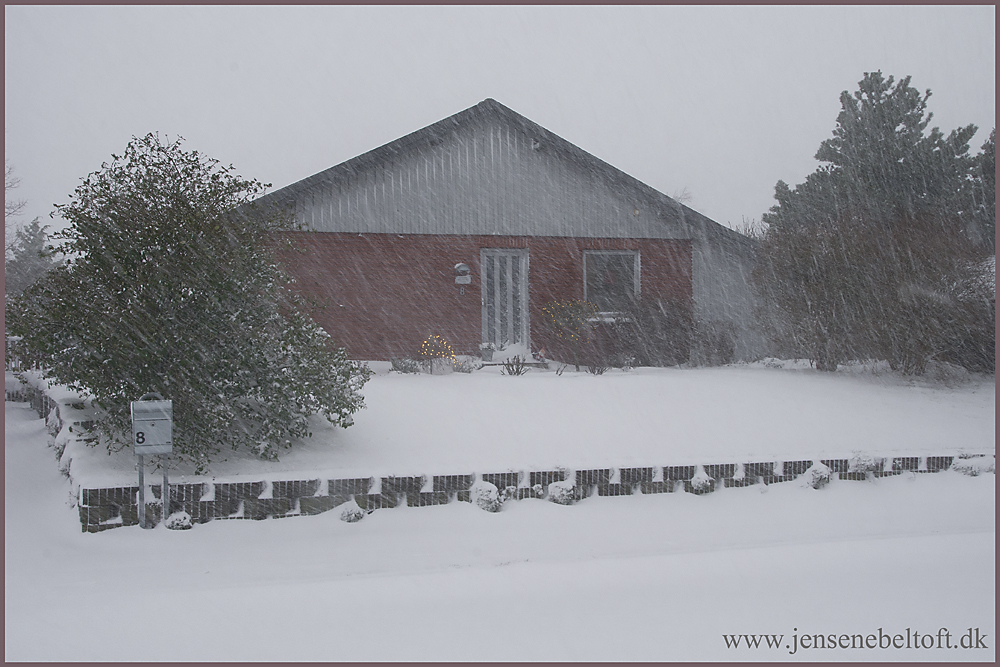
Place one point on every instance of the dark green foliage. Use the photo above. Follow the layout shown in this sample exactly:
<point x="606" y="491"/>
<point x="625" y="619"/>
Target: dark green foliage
<point x="171" y="287"/>
<point x="714" y="343"/>
<point x="982" y="188"/>
<point x="648" y="333"/>
<point x="569" y="323"/>
<point x="29" y="260"/>
<point x="407" y="365"/>
<point x="872" y="256"/>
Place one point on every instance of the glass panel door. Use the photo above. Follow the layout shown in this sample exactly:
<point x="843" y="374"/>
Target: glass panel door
<point x="505" y="297"/>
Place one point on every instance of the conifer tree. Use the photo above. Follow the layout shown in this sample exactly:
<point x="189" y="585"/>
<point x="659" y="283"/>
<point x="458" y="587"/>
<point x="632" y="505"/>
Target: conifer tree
<point x="29" y="259"/>
<point x="868" y="257"/>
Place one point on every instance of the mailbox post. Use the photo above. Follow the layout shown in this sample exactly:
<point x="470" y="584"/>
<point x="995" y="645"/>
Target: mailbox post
<point x="152" y="433"/>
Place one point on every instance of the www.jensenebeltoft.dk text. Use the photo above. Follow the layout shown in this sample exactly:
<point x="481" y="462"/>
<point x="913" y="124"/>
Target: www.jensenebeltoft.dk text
<point x="910" y="639"/>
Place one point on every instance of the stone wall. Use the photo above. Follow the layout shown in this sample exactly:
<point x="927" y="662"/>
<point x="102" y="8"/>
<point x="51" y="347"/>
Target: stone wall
<point x="106" y="508"/>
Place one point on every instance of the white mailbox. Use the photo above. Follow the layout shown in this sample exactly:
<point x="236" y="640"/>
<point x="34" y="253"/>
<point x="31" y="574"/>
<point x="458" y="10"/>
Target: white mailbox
<point x="152" y="427"/>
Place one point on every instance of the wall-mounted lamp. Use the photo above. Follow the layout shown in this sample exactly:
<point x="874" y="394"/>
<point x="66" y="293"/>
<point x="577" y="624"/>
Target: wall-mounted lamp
<point x="462" y="276"/>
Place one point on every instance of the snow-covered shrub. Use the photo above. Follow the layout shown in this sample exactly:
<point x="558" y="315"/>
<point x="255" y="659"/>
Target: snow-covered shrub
<point x="817" y="476"/>
<point x="52" y="422"/>
<point x="568" y="323"/>
<point x="561" y="493"/>
<point x="975" y="465"/>
<point x="441" y="366"/>
<point x="59" y="442"/>
<point x="178" y="521"/>
<point x="65" y="459"/>
<point x="626" y="362"/>
<point x="486" y="496"/>
<point x="466" y="364"/>
<point x="713" y="343"/>
<point x="179" y="253"/>
<point x="701" y="481"/>
<point x="947" y="374"/>
<point x="862" y="462"/>
<point x="351" y="512"/>
<point x="406" y="365"/>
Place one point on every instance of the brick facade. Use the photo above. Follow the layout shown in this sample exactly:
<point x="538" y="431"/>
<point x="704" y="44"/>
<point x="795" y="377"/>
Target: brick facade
<point x="382" y="295"/>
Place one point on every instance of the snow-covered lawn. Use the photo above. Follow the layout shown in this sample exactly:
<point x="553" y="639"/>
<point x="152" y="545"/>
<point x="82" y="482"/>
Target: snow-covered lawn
<point x="487" y="422"/>
<point x="659" y="577"/>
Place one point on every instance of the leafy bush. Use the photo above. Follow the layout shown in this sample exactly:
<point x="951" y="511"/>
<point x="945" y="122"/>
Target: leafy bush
<point x="817" y="476"/>
<point x="625" y="362"/>
<point x="569" y="321"/>
<point x="406" y="365"/>
<point x="974" y="466"/>
<point x="171" y="287"/>
<point x="647" y="333"/>
<point x="562" y="493"/>
<point x="466" y="364"/>
<point x="351" y="512"/>
<point x="486" y="496"/>
<point x="714" y="343"/>
<point x="701" y="482"/>
<point x="863" y="462"/>
<point x="179" y="521"/>
<point x="52" y="422"/>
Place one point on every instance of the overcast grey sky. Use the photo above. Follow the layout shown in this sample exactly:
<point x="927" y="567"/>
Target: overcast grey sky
<point x="721" y="101"/>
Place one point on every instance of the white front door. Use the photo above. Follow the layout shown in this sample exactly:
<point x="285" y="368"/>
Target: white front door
<point x="504" y="280"/>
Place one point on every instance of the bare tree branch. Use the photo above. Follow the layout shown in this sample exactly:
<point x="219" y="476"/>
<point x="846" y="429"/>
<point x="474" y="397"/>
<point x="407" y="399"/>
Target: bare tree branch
<point x="11" y="207"/>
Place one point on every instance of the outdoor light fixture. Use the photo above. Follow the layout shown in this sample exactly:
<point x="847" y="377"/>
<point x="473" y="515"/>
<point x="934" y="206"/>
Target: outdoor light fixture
<point x="462" y="276"/>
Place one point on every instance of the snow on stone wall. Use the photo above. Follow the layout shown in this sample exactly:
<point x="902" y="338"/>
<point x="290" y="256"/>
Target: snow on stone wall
<point x="105" y="508"/>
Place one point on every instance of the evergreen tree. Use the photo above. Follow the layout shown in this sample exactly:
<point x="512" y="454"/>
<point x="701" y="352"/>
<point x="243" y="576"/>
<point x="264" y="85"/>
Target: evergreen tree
<point x="29" y="258"/>
<point x="867" y="258"/>
<point x="983" y="192"/>
<point x="171" y="287"/>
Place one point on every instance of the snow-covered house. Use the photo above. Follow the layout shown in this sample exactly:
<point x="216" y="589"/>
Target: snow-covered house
<point x="466" y="228"/>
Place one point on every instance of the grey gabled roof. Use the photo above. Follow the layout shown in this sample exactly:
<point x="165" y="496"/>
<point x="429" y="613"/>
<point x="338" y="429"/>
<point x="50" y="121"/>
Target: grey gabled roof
<point x="700" y="227"/>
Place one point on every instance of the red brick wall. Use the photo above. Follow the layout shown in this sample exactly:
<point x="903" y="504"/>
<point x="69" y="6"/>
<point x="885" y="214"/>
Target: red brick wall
<point x="382" y="295"/>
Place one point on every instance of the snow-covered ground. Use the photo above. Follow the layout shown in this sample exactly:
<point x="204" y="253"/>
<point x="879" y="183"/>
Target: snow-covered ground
<point x="487" y="422"/>
<point x="659" y="577"/>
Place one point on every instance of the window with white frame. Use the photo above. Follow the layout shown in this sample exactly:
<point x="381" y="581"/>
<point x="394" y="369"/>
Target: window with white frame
<point x="610" y="279"/>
